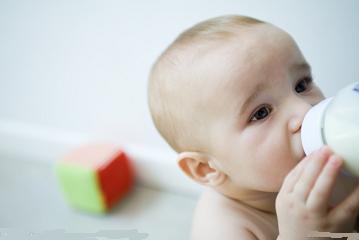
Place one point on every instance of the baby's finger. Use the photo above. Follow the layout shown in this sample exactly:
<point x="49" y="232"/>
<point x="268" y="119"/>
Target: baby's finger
<point x="319" y="196"/>
<point x="308" y="178"/>
<point x="348" y="208"/>
<point x="293" y="176"/>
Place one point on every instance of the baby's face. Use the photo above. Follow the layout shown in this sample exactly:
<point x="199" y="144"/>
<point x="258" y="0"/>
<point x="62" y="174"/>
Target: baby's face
<point x="262" y="88"/>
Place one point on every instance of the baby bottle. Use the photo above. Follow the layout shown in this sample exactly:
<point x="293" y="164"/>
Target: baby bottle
<point x="335" y="122"/>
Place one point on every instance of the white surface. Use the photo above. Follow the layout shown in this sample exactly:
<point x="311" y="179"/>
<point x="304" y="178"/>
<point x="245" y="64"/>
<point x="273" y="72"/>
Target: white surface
<point x="31" y="200"/>
<point x="82" y="65"/>
<point x="154" y="167"/>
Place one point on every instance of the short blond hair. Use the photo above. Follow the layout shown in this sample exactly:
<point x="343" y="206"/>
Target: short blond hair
<point x="170" y="79"/>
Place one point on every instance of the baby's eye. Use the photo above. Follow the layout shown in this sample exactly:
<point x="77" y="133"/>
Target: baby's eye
<point x="261" y="113"/>
<point x="303" y="85"/>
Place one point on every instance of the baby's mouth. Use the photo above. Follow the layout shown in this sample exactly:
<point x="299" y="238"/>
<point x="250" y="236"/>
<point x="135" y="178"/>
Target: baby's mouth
<point x="301" y="153"/>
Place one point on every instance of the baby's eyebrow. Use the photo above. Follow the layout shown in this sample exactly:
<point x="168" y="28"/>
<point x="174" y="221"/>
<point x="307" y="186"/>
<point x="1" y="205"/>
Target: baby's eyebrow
<point x="254" y="94"/>
<point x="300" y="67"/>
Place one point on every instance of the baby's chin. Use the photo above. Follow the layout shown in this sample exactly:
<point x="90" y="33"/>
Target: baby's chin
<point x="296" y="155"/>
<point x="301" y="156"/>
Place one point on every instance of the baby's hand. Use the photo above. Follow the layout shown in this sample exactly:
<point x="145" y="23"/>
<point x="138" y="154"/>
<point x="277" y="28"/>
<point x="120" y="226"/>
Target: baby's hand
<point x="302" y="202"/>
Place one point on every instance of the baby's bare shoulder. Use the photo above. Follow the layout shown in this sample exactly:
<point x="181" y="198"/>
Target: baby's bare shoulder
<point x="218" y="217"/>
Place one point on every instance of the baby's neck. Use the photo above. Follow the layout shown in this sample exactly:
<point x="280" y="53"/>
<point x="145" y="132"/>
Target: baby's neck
<point x="262" y="201"/>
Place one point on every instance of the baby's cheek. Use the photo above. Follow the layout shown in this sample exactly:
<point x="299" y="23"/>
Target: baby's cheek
<point x="271" y="177"/>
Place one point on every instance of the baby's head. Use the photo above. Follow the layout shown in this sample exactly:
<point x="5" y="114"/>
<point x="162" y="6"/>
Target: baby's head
<point x="229" y="95"/>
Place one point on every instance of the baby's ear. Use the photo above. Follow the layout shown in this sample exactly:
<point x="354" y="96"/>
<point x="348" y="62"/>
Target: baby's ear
<point x="200" y="167"/>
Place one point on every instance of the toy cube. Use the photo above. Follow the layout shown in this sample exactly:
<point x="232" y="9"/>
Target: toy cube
<point x="94" y="177"/>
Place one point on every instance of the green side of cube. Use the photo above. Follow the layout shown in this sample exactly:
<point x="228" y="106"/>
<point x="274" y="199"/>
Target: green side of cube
<point x="80" y="187"/>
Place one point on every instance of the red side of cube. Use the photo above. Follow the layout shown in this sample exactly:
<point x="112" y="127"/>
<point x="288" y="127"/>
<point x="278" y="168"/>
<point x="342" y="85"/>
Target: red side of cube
<point x="115" y="178"/>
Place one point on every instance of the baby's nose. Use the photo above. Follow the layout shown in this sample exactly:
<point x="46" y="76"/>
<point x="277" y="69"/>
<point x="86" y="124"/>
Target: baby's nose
<point x="296" y="120"/>
<point x="295" y="123"/>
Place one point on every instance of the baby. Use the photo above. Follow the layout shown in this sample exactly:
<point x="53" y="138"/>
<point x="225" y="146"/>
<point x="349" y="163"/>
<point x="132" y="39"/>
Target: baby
<point x="229" y="95"/>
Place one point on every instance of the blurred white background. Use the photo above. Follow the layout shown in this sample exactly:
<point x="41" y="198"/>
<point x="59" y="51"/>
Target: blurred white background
<point x="70" y="69"/>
